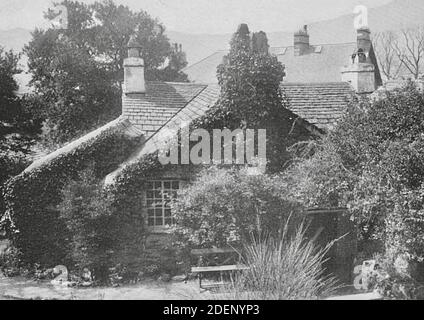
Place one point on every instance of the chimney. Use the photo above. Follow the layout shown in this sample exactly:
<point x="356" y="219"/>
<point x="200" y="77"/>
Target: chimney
<point x="364" y="39"/>
<point x="360" y="72"/>
<point x="301" y="41"/>
<point x="134" y="69"/>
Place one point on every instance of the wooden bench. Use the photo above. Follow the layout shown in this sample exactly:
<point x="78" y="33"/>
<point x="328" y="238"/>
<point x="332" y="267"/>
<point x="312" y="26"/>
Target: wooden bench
<point x="205" y="257"/>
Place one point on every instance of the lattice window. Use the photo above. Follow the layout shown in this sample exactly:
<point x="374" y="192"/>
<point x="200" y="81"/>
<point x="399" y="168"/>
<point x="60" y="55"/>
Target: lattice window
<point x="158" y="201"/>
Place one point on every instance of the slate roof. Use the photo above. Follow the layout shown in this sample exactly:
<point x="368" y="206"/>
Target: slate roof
<point x="321" y="104"/>
<point x="167" y="107"/>
<point x="194" y="109"/>
<point x="160" y="103"/>
<point x="322" y="64"/>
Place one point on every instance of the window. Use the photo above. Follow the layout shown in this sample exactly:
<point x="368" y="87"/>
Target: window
<point x="158" y="202"/>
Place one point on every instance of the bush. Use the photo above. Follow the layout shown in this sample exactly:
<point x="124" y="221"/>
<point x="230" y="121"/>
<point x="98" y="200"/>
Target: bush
<point x="225" y="206"/>
<point x="405" y="225"/>
<point x="91" y="225"/>
<point x="286" y="268"/>
<point x="100" y="236"/>
<point x="392" y="279"/>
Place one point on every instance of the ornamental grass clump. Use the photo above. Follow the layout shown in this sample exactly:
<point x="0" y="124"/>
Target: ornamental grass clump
<point x="288" y="268"/>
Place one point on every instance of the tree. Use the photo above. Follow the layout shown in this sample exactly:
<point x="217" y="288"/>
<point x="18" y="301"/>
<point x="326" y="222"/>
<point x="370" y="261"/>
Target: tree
<point x="400" y="53"/>
<point x="174" y="64"/>
<point x="17" y="127"/>
<point x="387" y="56"/>
<point x="251" y="97"/>
<point x="77" y="72"/>
<point x="411" y="50"/>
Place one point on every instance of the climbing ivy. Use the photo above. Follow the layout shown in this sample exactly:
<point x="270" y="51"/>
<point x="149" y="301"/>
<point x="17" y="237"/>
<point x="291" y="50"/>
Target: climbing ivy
<point x="32" y="197"/>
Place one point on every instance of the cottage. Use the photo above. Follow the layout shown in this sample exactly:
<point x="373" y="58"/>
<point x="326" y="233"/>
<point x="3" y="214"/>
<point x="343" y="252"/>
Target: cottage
<point x="320" y="81"/>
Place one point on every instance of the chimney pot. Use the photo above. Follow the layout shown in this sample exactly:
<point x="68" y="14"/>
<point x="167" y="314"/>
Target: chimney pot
<point x="360" y="73"/>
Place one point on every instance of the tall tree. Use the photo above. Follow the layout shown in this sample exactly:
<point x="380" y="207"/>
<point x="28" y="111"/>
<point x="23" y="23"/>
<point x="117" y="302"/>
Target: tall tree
<point x="77" y="71"/>
<point x="384" y="45"/>
<point x="251" y="97"/>
<point x="410" y="50"/>
<point x="17" y="127"/>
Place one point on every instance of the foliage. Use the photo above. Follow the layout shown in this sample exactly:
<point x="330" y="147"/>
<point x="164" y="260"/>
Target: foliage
<point x="392" y="282"/>
<point x="17" y="129"/>
<point x="32" y="197"/>
<point x="177" y="61"/>
<point x="405" y="225"/>
<point x="286" y="268"/>
<point x="227" y="206"/>
<point x="77" y="72"/>
<point x="10" y="264"/>
<point x="90" y="223"/>
<point x="251" y="97"/>
<point x="372" y="163"/>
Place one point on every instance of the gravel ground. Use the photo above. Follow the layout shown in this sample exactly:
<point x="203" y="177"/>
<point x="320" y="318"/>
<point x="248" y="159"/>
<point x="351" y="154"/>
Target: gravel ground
<point x="20" y="288"/>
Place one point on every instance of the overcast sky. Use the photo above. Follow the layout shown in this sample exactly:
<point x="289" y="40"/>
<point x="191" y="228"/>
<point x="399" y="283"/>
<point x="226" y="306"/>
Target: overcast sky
<point x="203" y="16"/>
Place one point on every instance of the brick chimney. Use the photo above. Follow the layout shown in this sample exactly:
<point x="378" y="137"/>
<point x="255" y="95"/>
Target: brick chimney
<point x="301" y="41"/>
<point x="360" y="72"/>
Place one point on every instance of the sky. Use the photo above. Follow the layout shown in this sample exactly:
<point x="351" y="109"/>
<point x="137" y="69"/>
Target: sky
<point x="203" y="16"/>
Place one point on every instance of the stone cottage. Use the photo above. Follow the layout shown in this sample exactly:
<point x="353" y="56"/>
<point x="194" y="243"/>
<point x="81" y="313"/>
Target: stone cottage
<point x="320" y="80"/>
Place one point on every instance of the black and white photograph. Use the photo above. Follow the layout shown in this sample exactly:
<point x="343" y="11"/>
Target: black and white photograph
<point x="221" y="151"/>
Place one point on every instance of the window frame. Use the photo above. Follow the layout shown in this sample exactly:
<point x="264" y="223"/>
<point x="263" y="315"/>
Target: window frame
<point x="149" y="200"/>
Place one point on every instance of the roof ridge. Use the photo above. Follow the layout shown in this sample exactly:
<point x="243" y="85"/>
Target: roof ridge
<point x="314" y="83"/>
<point x="204" y="59"/>
<point x="175" y="83"/>
<point x="318" y="44"/>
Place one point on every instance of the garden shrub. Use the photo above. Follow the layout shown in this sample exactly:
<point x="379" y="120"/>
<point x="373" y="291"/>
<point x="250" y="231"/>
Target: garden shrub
<point x="405" y="227"/>
<point x="227" y="206"/>
<point x="393" y="281"/>
<point x="284" y="268"/>
<point x="91" y="224"/>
